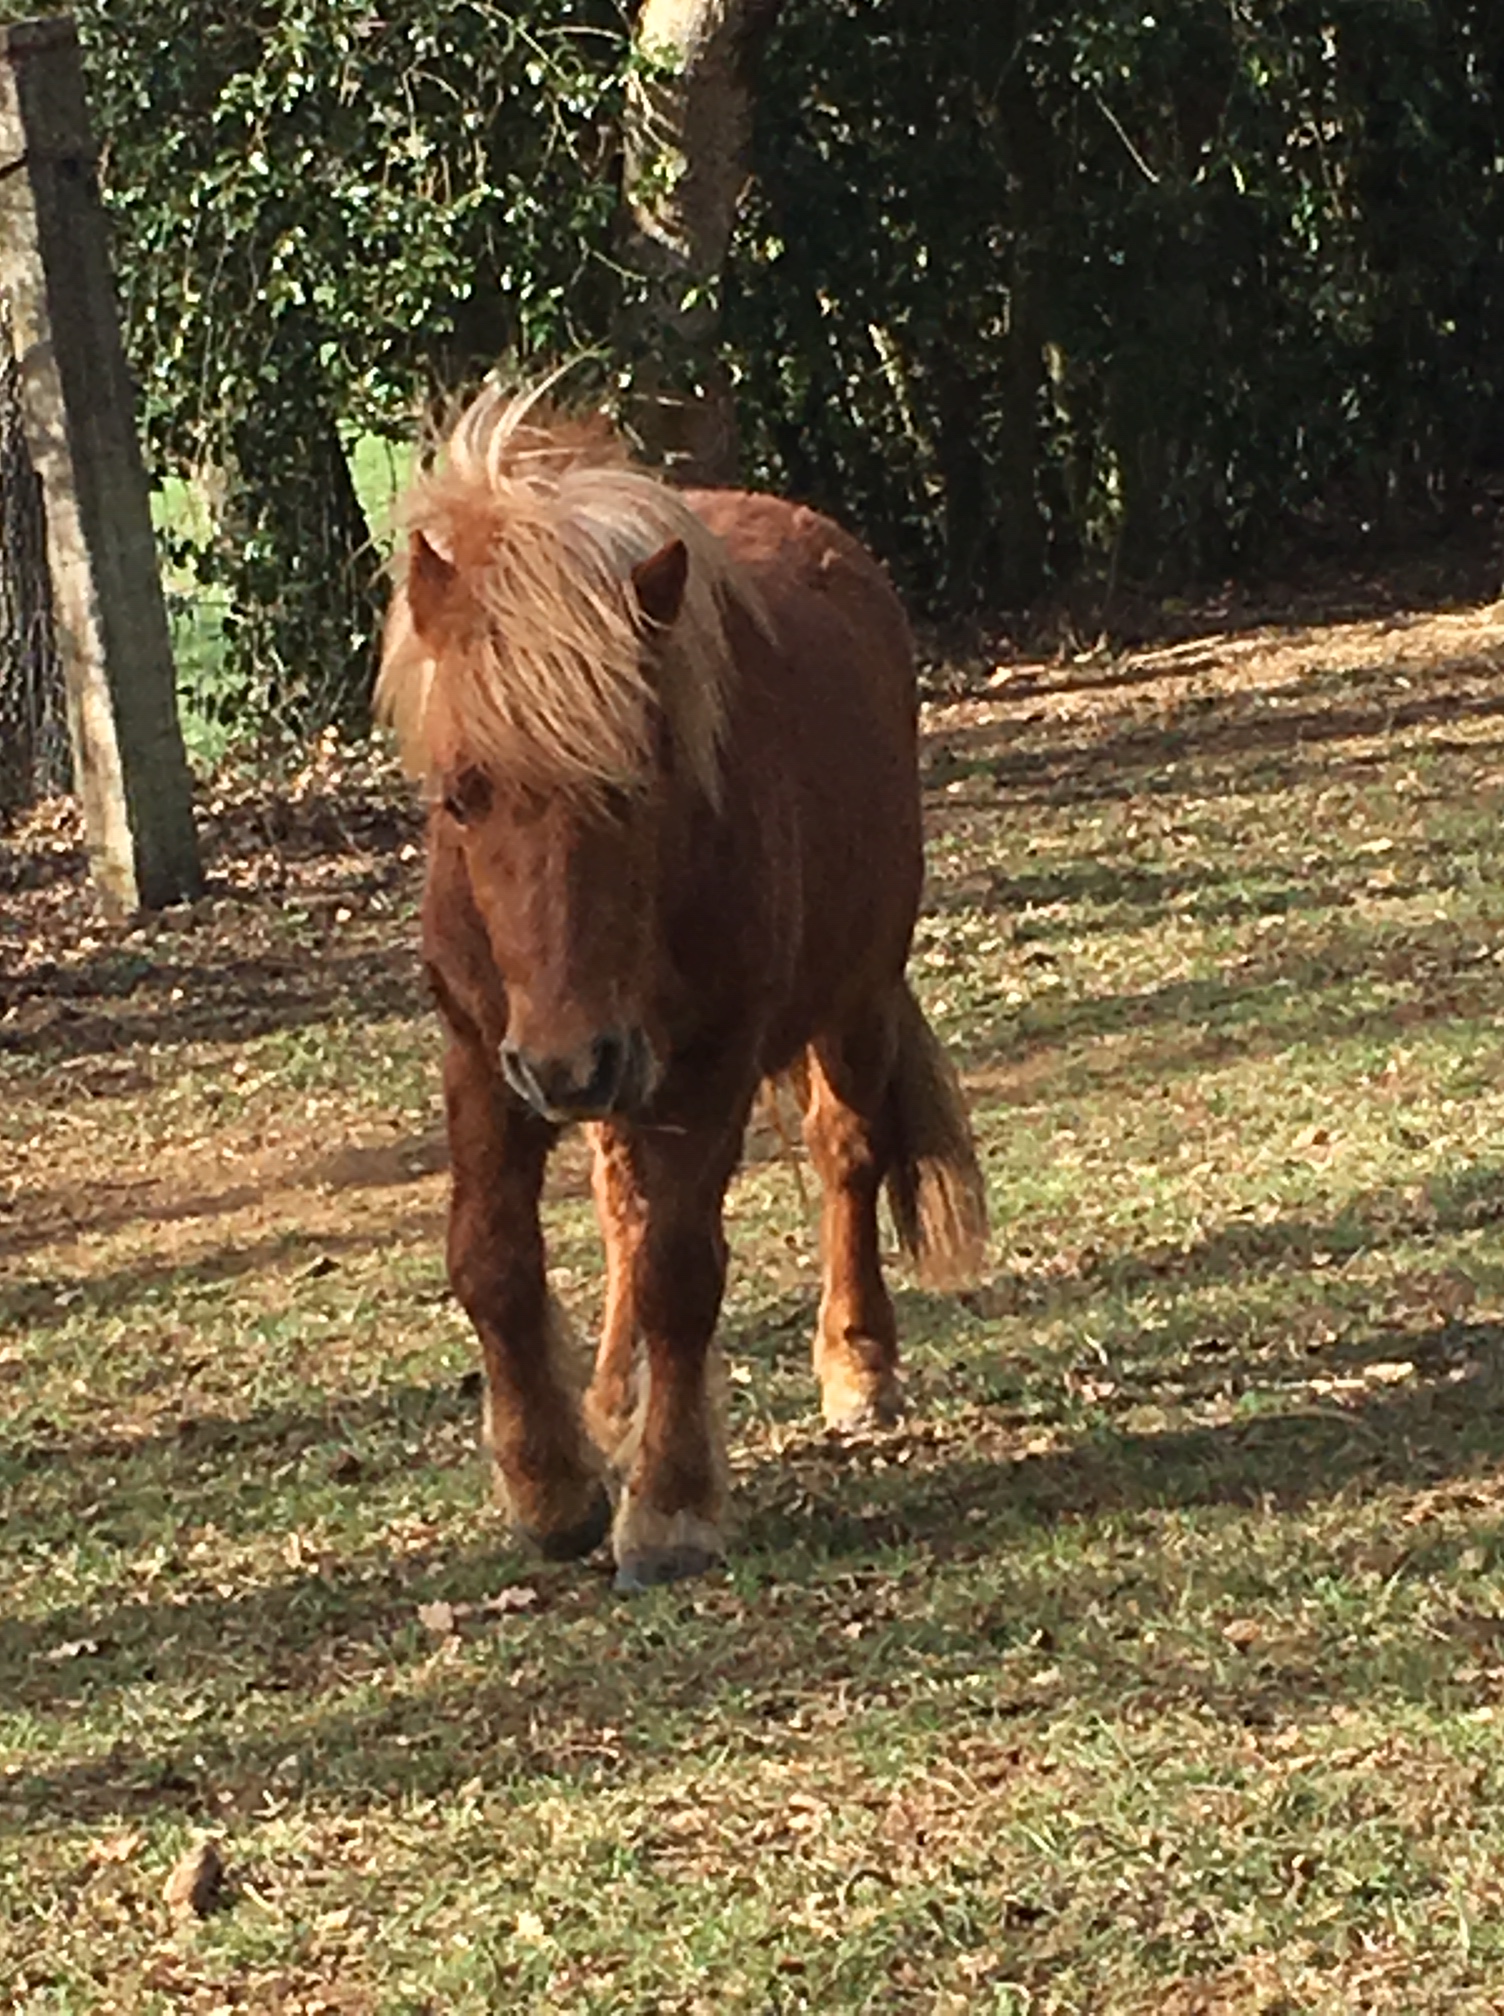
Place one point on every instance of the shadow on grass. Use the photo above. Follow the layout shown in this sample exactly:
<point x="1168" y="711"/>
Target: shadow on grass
<point x="1090" y="897"/>
<point x="777" y="1333"/>
<point x="1449" y="1427"/>
<point x="1096" y="893"/>
<point x="1253" y="728"/>
<point x="36" y="1217"/>
<point x="1245" y="1250"/>
<point x="328" y="1682"/>
<point x="117" y="1007"/>
<point x="187" y="1461"/>
<point x="1348" y="984"/>
<point x="47" y="1304"/>
<point x="1457" y="577"/>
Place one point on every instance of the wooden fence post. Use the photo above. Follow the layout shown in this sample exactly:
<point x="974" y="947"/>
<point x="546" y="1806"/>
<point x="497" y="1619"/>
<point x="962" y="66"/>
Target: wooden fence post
<point x="129" y="767"/>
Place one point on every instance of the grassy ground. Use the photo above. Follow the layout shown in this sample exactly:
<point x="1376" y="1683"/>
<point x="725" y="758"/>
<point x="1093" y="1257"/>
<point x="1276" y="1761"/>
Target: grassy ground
<point x="1158" y="1664"/>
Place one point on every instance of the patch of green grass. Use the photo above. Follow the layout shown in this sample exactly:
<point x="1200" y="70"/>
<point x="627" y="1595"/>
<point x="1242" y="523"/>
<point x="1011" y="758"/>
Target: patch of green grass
<point x="380" y="470"/>
<point x="1157" y="1663"/>
<point x="196" y="610"/>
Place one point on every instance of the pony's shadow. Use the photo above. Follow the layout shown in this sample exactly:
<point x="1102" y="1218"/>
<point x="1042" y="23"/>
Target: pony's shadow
<point x="819" y="1514"/>
<point x="532" y="1712"/>
<point x="1446" y="1423"/>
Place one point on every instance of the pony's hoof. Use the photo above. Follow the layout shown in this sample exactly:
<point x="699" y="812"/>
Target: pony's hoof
<point x="664" y="1564"/>
<point x="570" y="1543"/>
<point x="859" y="1392"/>
<point x="653" y="1547"/>
<point x="866" y="1414"/>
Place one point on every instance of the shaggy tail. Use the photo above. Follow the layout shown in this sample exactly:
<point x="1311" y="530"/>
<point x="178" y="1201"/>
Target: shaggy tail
<point x="935" y="1188"/>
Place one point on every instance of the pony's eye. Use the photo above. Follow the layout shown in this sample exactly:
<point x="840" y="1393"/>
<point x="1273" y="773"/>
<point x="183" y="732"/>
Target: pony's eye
<point x="467" y="796"/>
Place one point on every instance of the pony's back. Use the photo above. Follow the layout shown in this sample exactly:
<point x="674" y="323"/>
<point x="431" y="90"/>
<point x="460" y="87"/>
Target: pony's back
<point x="824" y="746"/>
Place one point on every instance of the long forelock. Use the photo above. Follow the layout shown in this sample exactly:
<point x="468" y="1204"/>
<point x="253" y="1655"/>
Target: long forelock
<point x="549" y="672"/>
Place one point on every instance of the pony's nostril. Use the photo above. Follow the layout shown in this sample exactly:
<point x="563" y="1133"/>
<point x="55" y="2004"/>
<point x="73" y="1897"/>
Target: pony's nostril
<point x="608" y="1068"/>
<point x="591" y="1082"/>
<point x="638" y="1072"/>
<point x="520" y="1076"/>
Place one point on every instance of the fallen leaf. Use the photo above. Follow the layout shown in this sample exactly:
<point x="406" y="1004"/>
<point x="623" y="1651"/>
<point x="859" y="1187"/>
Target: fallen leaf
<point x="75" y="1648"/>
<point x="1390" y="1371"/>
<point x="520" y="1597"/>
<point x="1312" y="1137"/>
<point x="439" y="1618"/>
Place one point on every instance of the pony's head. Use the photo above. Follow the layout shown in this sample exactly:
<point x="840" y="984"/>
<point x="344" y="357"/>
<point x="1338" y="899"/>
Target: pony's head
<point x="556" y="665"/>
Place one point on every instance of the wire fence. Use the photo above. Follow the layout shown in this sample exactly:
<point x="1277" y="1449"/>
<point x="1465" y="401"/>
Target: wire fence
<point x="34" y="748"/>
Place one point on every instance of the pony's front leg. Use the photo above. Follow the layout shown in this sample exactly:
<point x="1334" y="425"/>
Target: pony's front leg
<point x="547" y="1473"/>
<point x="669" y="1523"/>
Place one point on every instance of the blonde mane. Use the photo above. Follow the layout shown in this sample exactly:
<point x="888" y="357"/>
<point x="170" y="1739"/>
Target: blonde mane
<point x="544" y="667"/>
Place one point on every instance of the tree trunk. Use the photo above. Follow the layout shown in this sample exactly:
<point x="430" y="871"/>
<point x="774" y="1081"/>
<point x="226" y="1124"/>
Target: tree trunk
<point x="304" y="579"/>
<point x="688" y="133"/>
<point x="1017" y="572"/>
<point x="34" y="756"/>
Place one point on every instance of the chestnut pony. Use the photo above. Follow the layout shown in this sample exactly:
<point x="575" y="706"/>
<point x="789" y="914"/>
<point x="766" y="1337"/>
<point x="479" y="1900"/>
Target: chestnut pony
<point x="674" y="850"/>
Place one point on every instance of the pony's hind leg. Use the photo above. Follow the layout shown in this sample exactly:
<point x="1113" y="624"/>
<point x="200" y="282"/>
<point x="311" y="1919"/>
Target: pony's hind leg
<point x="847" y="1128"/>
<point x="547" y="1473"/>
<point x="611" y="1400"/>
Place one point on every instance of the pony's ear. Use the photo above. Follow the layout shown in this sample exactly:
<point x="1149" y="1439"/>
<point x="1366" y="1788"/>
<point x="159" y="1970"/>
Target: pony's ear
<point x="658" y="582"/>
<point x="430" y="578"/>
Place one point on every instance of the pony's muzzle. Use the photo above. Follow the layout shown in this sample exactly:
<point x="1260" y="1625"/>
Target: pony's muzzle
<point x="614" y="1075"/>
